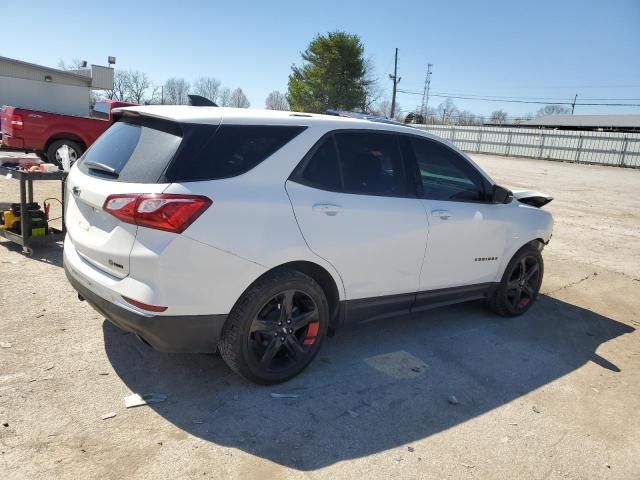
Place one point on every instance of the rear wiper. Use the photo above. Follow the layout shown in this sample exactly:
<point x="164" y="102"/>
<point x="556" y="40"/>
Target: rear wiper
<point x="102" y="168"/>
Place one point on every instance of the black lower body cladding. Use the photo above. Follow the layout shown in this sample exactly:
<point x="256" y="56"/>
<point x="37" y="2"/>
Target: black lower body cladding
<point x="175" y="334"/>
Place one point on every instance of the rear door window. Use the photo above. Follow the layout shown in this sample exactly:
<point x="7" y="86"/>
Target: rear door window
<point x="322" y="169"/>
<point x="371" y="163"/>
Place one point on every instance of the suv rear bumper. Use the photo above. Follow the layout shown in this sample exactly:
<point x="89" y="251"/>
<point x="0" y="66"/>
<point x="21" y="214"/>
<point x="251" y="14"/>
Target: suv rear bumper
<point x="175" y="334"/>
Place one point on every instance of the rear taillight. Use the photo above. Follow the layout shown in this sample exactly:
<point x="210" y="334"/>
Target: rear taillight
<point x="168" y="212"/>
<point x="16" y="122"/>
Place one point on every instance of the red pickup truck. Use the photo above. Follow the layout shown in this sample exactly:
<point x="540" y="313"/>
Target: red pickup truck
<point x="48" y="134"/>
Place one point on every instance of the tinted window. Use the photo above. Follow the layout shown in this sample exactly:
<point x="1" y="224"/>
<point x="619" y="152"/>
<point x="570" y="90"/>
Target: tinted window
<point x="444" y="174"/>
<point x="371" y="163"/>
<point x="322" y="170"/>
<point x="137" y="153"/>
<point x="229" y="151"/>
<point x="100" y="110"/>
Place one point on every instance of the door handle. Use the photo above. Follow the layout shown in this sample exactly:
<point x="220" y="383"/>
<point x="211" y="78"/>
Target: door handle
<point x="442" y="214"/>
<point x="327" y="209"/>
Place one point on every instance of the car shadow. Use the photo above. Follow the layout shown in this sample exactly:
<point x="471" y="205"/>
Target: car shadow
<point x="372" y="388"/>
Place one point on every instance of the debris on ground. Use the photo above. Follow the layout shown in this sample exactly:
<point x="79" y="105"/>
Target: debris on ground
<point x="108" y="415"/>
<point x="411" y="449"/>
<point x="468" y="465"/>
<point x="5" y="345"/>
<point x="513" y="423"/>
<point x="103" y="373"/>
<point x="137" y="400"/>
<point x="5" y="424"/>
<point x="353" y="413"/>
<point x="453" y="400"/>
<point x="535" y="409"/>
<point x="285" y="395"/>
<point x="49" y="367"/>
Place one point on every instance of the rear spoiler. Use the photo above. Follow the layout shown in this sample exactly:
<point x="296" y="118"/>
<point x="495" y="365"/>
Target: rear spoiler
<point x="200" y="101"/>
<point x="535" y="199"/>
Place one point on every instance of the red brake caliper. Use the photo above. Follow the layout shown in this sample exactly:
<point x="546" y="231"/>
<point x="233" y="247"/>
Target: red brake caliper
<point x="312" y="333"/>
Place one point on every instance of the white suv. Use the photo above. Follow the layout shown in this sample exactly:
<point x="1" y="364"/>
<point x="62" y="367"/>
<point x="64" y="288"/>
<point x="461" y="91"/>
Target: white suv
<point x="258" y="232"/>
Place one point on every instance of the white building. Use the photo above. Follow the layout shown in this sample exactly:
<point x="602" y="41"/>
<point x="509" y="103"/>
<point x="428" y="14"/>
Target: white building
<point x="48" y="89"/>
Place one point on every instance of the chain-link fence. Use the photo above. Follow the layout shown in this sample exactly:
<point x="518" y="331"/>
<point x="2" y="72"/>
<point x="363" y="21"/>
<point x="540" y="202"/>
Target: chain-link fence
<point x="604" y="148"/>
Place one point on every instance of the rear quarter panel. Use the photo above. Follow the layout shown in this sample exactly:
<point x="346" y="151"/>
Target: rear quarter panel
<point x="251" y="215"/>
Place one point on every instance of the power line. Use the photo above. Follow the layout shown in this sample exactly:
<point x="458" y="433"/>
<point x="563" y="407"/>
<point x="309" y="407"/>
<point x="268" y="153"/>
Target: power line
<point x="485" y="99"/>
<point x="509" y="97"/>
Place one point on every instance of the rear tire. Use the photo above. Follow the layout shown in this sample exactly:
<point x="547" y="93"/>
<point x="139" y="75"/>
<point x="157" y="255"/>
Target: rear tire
<point x="54" y="152"/>
<point x="520" y="283"/>
<point x="276" y="328"/>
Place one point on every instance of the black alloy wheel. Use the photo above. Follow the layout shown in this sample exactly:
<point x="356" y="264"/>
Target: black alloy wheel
<point x="524" y="282"/>
<point x="283" y="332"/>
<point x="520" y="283"/>
<point x="276" y="327"/>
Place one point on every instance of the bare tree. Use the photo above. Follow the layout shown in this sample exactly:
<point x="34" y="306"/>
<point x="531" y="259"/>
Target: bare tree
<point x="499" y="117"/>
<point x="74" y="64"/>
<point x="208" y="87"/>
<point x="119" y="91"/>
<point x="466" y="118"/>
<point x="155" y="98"/>
<point x="383" y="109"/>
<point x="136" y="83"/>
<point x="276" y="101"/>
<point x="371" y="88"/>
<point x="447" y="110"/>
<point x="176" y="91"/>
<point x="225" y="97"/>
<point x="553" y="110"/>
<point x="238" y="99"/>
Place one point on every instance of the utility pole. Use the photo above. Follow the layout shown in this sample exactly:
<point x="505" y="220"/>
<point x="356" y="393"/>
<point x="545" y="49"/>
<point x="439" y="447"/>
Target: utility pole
<point x="573" y="105"/>
<point x="425" y="93"/>
<point x="394" y="78"/>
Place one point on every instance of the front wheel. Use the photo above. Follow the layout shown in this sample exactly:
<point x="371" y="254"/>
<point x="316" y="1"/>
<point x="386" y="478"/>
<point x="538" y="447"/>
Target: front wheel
<point x="276" y="328"/>
<point x="520" y="283"/>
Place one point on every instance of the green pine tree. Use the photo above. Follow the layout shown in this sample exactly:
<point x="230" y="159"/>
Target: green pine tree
<point x="334" y="74"/>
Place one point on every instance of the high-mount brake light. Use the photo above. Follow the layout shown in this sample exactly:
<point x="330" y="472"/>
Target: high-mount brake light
<point x="161" y="211"/>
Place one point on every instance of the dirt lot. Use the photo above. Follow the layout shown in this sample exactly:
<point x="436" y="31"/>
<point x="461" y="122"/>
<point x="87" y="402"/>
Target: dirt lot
<point x="552" y="394"/>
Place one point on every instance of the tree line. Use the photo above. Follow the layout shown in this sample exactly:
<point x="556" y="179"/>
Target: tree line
<point x="334" y="74"/>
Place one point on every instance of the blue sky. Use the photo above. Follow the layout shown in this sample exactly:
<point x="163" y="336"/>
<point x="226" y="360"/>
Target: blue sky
<point x="543" y="49"/>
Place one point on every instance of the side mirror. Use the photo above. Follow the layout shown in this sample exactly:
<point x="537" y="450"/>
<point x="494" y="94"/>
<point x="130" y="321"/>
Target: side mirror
<point x="501" y="195"/>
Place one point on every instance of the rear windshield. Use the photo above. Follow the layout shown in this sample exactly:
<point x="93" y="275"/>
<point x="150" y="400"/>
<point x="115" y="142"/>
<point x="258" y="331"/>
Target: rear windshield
<point x="151" y="151"/>
<point x="135" y="152"/>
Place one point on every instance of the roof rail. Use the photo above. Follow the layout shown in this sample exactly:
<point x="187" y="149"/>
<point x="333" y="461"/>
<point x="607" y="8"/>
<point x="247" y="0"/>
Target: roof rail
<point x="362" y="116"/>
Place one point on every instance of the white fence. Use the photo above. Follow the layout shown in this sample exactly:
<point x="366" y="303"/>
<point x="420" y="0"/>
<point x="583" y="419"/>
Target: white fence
<point x="604" y="148"/>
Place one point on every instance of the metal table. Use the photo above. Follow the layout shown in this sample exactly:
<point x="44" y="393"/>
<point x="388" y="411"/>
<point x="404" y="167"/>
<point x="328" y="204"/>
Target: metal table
<point x="26" y="180"/>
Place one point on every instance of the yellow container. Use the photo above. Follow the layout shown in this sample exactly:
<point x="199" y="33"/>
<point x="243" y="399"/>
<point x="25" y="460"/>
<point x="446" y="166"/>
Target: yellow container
<point x="9" y="219"/>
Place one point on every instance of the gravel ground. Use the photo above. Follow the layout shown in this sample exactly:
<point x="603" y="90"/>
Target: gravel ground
<point x="551" y="394"/>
